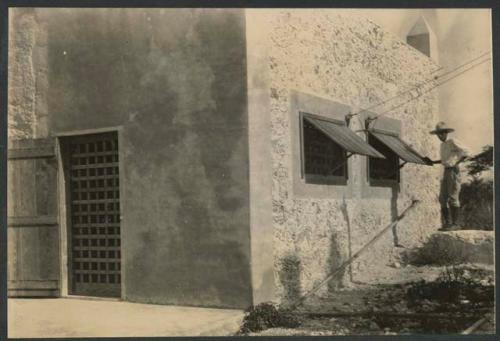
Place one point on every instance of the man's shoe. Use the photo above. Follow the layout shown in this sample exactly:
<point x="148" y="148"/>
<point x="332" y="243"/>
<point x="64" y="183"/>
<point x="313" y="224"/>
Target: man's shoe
<point x="451" y="227"/>
<point x="454" y="227"/>
<point x="455" y="216"/>
<point x="445" y="217"/>
<point x="445" y="227"/>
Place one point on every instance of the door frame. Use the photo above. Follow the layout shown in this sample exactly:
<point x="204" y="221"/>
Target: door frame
<point x="65" y="213"/>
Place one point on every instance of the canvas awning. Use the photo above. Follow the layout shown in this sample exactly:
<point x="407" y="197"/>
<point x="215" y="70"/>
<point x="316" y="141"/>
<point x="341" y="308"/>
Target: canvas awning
<point x="345" y="137"/>
<point x="398" y="146"/>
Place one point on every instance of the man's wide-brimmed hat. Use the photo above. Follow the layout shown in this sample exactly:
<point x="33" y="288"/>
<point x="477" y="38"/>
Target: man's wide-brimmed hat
<point x="441" y="127"/>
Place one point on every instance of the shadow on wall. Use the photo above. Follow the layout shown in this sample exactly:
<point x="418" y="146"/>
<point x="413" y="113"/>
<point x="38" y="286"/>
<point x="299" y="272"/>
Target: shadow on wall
<point x="335" y="261"/>
<point x="336" y="258"/>
<point x="289" y="275"/>
<point x="394" y="213"/>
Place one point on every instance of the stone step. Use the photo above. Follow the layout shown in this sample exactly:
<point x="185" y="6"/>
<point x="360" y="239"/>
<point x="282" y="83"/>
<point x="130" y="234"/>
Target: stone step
<point x="456" y="247"/>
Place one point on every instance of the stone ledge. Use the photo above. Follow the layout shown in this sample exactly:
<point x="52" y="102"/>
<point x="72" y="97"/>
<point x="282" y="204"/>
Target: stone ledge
<point x="456" y="247"/>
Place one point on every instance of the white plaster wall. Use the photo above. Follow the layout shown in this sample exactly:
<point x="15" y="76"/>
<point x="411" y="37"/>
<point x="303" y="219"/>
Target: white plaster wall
<point x="348" y="59"/>
<point x="259" y="136"/>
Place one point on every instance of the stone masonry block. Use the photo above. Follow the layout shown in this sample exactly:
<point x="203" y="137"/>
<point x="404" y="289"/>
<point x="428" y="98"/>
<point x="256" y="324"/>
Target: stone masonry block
<point x="457" y="247"/>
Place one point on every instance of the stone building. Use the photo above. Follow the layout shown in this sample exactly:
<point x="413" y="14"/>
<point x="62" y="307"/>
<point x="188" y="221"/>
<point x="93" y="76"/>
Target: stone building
<point x="203" y="157"/>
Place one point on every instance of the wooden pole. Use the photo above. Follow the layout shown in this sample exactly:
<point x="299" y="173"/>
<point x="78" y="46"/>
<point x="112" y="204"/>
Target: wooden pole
<point x="348" y="262"/>
<point x="475" y="326"/>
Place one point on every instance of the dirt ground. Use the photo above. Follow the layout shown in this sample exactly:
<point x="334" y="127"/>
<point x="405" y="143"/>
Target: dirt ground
<point x="427" y="301"/>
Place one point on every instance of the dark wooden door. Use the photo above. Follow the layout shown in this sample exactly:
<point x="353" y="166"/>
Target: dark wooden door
<point x="94" y="211"/>
<point x="33" y="230"/>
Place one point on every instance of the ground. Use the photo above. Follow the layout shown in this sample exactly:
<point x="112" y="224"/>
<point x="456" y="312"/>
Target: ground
<point x="62" y="317"/>
<point x="405" y="299"/>
<point x="379" y="308"/>
<point x="443" y="287"/>
<point x="413" y="305"/>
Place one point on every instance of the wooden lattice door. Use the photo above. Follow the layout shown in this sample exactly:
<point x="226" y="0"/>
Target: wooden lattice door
<point x="94" y="211"/>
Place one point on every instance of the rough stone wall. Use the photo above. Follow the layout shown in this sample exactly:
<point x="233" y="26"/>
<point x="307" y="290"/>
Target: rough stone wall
<point x="21" y="119"/>
<point x="27" y="72"/>
<point x="350" y="60"/>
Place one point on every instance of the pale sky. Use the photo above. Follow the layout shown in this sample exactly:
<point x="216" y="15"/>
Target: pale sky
<point x="465" y="103"/>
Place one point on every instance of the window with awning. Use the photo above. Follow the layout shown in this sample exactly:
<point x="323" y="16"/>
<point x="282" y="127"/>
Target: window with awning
<point x="395" y="150"/>
<point x="398" y="146"/>
<point x="327" y="144"/>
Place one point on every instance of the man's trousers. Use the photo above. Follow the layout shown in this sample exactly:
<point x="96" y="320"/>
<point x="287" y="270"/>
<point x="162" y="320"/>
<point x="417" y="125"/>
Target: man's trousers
<point x="450" y="188"/>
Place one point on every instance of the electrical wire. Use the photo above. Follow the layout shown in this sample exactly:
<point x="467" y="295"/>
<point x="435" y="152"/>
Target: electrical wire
<point x="438" y="69"/>
<point x="430" y="89"/>
<point x="421" y="84"/>
<point x="425" y="82"/>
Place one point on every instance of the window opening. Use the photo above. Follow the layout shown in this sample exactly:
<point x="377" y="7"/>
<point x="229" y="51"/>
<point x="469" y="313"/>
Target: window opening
<point x="327" y="145"/>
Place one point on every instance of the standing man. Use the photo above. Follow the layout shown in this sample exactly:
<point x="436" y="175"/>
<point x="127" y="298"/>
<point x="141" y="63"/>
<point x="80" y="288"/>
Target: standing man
<point x="452" y="154"/>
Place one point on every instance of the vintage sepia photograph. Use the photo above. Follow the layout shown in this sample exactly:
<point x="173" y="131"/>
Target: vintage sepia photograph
<point x="249" y="172"/>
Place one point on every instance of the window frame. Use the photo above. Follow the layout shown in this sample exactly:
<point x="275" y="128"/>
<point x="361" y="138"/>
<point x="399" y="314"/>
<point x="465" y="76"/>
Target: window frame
<point x="314" y="179"/>
<point x="373" y="182"/>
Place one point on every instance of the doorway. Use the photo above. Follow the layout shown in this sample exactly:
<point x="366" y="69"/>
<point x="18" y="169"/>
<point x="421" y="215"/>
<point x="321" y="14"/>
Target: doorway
<point x="93" y="214"/>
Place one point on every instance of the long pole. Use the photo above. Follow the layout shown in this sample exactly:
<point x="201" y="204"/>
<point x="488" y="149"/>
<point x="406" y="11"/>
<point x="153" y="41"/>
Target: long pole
<point x="348" y="262"/>
<point x="475" y="326"/>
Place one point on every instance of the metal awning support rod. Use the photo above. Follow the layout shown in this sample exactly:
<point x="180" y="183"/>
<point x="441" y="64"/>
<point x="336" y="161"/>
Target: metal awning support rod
<point x="369" y="120"/>
<point x="353" y="257"/>
<point x="343" y="163"/>
<point x="401" y="165"/>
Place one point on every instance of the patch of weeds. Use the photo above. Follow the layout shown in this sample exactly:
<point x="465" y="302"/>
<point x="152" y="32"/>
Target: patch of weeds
<point x="267" y="315"/>
<point x="454" y="287"/>
<point x="436" y="252"/>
